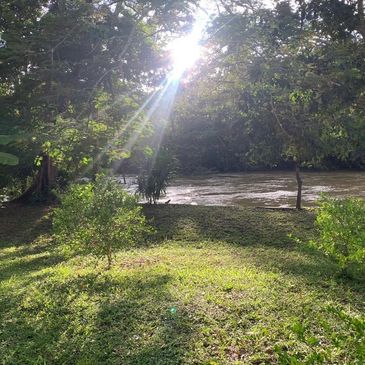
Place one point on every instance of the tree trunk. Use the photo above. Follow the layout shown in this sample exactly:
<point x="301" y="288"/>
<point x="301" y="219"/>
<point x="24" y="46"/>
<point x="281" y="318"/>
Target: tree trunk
<point x="110" y="259"/>
<point x="360" y="10"/>
<point x="41" y="187"/>
<point x="95" y="170"/>
<point x="300" y="185"/>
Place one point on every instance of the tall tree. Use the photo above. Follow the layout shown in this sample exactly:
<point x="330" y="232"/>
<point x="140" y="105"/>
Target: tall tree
<point x="295" y="92"/>
<point x="75" y="72"/>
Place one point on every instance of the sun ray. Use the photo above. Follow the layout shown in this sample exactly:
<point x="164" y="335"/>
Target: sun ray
<point x="185" y="52"/>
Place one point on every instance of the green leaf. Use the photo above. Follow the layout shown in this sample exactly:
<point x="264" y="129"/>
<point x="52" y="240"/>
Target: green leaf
<point x="148" y="151"/>
<point x="5" y="139"/>
<point x="8" y="159"/>
<point x="312" y="341"/>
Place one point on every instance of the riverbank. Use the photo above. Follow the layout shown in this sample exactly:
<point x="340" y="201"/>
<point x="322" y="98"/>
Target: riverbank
<point x="262" y="189"/>
<point x="217" y="285"/>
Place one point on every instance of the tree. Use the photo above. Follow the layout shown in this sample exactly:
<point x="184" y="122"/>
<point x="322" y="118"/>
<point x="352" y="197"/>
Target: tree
<point x="74" y="74"/>
<point x="337" y="18"/>
<point x="99" y="218"/>
<point x="291" y="95"/>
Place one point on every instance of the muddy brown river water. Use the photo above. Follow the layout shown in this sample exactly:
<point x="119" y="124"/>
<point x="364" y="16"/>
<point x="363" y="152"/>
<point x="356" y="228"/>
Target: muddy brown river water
<point x="261" y="189"/>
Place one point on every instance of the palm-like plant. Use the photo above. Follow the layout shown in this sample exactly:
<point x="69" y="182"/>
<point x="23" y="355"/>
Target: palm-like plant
<point x="154" y="179"/>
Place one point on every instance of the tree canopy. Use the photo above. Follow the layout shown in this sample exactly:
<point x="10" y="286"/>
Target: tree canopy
<point x="275" y="87"/>
<point x="74" y="73"/>
<point x="278" y="85"/>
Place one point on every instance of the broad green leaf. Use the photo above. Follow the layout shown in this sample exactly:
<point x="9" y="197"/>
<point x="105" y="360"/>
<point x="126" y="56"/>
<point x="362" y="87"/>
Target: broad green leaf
<point x="5" y="139"/>
<point x="8" y="159"/>
<point x="148" y="151"/>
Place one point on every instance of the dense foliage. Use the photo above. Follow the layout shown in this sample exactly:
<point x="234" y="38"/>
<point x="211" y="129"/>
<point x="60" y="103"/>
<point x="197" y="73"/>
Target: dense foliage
<point x="99" y="218"/>
<point x="85" y="86"/>
<point x="342" y="230"/>
<point x="72" y="77"/>
<point x="277" y="88"/>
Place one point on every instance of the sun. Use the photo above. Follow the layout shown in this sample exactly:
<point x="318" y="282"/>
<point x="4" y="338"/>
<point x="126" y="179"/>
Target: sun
<point x="184" y="53"/>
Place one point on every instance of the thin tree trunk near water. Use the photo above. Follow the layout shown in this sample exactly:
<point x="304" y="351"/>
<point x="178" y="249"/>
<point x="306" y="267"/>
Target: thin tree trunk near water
<point x="300" y="185"/>
<point x="361" y="15"/>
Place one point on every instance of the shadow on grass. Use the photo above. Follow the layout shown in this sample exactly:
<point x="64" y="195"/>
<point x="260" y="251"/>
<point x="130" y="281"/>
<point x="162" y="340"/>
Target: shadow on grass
<point x="266" y="235"/>
<point x="25" y="240"/>
<point x="21" y="225"/>
<point x="229" y="224"/>
<point x="113" y="318"/>
<point x="25" y="266"/>
<point x="96" y="319"/>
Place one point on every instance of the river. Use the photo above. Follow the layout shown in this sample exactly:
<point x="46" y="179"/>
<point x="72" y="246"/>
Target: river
<point x="261" y="189"/>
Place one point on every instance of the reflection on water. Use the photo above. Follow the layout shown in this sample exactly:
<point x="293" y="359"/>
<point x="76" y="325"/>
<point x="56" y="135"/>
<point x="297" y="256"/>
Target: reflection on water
<point x="270" y="189"/>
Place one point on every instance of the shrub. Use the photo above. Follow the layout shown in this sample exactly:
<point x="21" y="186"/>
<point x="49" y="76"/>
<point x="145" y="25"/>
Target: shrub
<point x="99" y="218"/>
<point x="341" y="223"/>
<point x="154" y="178"/>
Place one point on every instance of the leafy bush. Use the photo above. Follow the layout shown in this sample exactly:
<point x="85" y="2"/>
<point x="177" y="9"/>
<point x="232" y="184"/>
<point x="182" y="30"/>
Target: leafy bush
<point x="99" y="218"/>
<point x="342" y="230"/>
<point x="155" y="177"/>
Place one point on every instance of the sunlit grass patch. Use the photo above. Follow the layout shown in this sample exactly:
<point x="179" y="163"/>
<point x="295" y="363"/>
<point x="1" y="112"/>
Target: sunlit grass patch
<point x="215" y="286"/>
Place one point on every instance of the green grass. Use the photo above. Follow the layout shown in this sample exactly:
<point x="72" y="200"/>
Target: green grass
<point x="216" y="286"/>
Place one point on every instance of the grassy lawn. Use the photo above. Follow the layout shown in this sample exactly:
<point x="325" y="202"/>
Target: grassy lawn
<point x="216" y="286"/>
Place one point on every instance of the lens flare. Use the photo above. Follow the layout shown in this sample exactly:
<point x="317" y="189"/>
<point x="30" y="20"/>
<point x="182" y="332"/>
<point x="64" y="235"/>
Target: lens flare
<point x="187" y="50"/>
<point x="158" y="106"/>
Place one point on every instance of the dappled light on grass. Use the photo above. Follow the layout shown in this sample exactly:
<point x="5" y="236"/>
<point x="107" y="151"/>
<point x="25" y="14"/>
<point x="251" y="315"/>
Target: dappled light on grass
<point x="199" y="292"/>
